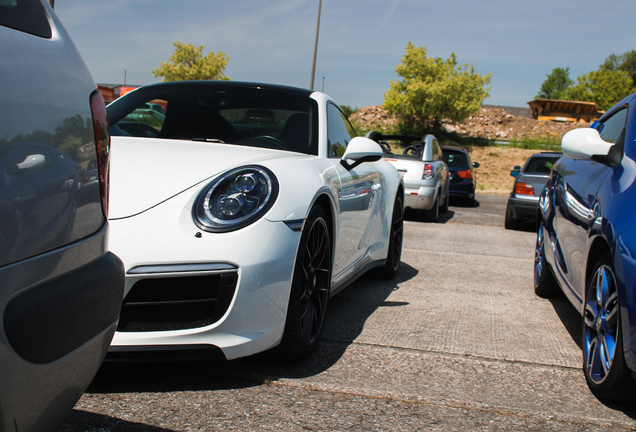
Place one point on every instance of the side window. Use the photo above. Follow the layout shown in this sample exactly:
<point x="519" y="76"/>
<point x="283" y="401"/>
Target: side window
<point x="28" y="16"/>
<point x="437" y="151"/>
<point x="145" y="121"/>
<point x="340" y="131"/>
<point x="611" y="128"/>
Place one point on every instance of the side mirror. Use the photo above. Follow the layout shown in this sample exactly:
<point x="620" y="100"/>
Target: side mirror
<point x="32" y="162"/>
<point x="475" y="164"/>
<point x="360" y="150"/>
<point x="516" y="170"/>
<point x="584" y="143"/>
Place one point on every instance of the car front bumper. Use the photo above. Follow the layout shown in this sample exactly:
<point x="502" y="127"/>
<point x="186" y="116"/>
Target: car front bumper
<point x="251" y="268"/>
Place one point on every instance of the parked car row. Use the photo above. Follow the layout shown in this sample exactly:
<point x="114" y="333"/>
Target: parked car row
<point x="236" y="210"/>
<point x="432" y="173"/>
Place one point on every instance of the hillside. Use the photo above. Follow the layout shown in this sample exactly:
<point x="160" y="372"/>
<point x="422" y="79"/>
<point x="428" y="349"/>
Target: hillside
<point x="493" y="175"/>
<point x="490" y="123"/>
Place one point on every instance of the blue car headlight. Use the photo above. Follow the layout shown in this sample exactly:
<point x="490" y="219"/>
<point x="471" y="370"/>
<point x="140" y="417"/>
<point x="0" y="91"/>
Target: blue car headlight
<point x="235" y="199"/>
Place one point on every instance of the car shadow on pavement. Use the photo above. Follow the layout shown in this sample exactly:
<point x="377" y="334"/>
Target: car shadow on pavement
<point x="570" y="317"/>
<point x="463" y="202"/>
<point x="347" y="313"/>
<point x="418" y="216"/>
<point x="88" y="421"/>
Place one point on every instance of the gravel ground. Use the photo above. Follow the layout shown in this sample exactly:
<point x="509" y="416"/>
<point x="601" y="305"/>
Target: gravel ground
<point x="457" y="341"/>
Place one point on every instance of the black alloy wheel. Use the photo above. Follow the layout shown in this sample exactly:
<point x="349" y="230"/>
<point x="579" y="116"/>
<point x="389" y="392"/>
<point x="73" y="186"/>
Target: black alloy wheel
<point x="311" y="283"/>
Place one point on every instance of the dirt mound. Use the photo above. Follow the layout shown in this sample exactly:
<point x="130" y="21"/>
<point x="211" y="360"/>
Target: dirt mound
<point x="374" y="117"/>
<point x="491" y="123"/>
<point x="495" y="123"/>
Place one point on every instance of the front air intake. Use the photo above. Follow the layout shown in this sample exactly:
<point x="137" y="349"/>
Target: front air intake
<point x="177" y="303"/>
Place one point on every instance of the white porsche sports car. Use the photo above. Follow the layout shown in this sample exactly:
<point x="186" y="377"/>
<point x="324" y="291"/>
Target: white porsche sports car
<point x="239" y="214"/>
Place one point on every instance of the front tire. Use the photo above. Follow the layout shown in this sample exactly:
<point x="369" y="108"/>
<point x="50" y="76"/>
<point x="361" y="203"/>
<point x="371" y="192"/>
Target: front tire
<point x="394" y="255"/>
<point x="311" y="283"/>
<point x="606" y="373"/>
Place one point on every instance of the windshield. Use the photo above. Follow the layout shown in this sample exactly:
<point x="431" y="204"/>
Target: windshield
<point x="240" y="115"/>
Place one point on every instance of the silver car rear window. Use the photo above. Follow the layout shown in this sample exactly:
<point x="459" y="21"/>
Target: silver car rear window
<point x="27" y="16"/>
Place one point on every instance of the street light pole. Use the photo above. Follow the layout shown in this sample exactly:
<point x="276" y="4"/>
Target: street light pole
<point x="313" y="66"/>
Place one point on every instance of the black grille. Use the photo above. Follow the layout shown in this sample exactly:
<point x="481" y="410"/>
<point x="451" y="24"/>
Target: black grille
<point x="176" y="303"/>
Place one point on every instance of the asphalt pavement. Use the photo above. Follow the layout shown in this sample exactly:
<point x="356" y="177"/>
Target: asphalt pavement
<point x="458" y="341"/>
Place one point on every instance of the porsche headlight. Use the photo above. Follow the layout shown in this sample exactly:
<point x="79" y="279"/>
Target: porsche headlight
<point x="235" y="199"/>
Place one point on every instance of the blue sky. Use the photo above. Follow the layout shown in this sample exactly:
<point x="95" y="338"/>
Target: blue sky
<point x="360" y="42"/>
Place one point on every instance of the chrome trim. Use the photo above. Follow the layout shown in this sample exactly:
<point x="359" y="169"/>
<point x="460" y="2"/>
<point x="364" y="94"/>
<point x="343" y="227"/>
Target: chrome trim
<point x="181" y="268"/>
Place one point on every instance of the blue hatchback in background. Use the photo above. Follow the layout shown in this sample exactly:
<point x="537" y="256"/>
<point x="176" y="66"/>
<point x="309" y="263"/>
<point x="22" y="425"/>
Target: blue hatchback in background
<point x="586" y="245"/>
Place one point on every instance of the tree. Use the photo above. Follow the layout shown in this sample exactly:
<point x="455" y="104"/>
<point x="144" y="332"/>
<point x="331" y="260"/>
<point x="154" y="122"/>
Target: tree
<point x="556" y="84"/>
<point x="187" y="63"/>
<point x="625" y="62"/>
<point x="605" y="87"/>
<point x="432" y="89"/>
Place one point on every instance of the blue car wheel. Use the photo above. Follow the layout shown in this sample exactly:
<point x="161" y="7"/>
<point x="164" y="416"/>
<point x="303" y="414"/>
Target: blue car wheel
<point x="603" y="360"/>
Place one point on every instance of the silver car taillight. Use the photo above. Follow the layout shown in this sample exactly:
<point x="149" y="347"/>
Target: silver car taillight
<point x="428" y="172"/>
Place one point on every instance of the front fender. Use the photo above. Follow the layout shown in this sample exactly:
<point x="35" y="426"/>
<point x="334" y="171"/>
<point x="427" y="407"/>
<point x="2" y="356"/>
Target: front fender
<point x="300" y="186"/>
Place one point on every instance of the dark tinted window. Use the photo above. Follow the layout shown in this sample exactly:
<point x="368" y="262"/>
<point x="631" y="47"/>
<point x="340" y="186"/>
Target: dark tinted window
<point x="540" y="165"/>
<point x="340" y="131"/>
<point x="437" y="151"/>
<point x="611" y="128"/>
<point x="25" y="15"/>
<point x="455" y="158"/>
<point x="247" y="116"/>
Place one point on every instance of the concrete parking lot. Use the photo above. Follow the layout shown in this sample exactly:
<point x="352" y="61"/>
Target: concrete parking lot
<point x="458" y="341"/>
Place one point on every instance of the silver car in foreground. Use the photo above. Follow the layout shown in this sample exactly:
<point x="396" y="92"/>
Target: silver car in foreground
<point x="60" y="288"/>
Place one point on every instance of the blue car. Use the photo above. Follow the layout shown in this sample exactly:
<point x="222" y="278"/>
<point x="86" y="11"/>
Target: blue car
<point x="586" y="245"/>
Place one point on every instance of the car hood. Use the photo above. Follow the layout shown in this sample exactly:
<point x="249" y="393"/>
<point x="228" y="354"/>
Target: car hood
<point x="147" y="171"/>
